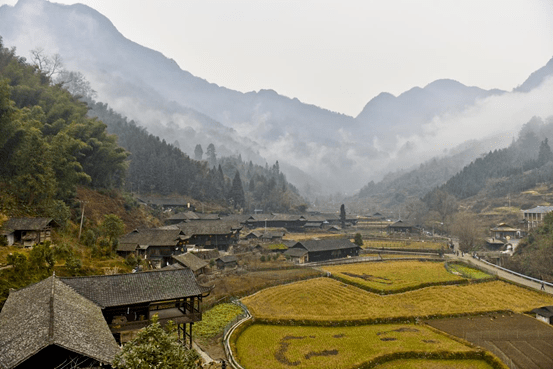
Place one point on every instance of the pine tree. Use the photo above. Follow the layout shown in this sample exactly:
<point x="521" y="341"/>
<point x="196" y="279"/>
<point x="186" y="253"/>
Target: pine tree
<point x="236" y="195"/>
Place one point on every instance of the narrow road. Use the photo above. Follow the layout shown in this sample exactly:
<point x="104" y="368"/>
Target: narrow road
<point x="496" y="271"/>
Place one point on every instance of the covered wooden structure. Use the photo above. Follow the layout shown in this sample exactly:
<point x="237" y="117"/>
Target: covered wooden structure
<point x="129" y="301"/>
<point x="315" y="250"/>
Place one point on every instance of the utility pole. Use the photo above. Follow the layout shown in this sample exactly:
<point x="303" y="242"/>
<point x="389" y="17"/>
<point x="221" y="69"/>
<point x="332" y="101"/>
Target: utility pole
<point x="82" y="218"/>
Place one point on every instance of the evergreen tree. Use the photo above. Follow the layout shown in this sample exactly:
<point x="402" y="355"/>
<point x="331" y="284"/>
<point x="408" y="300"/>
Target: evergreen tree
<point x="545" y="154"/>
<point x="198" y="152"/>
<point x="343" y="215"/>
<point x="211" y="155"/>
<point x="236" y="194"/>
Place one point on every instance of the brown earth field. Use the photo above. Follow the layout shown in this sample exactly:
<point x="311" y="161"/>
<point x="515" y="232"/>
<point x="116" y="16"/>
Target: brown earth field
<point x="516" y="339"/>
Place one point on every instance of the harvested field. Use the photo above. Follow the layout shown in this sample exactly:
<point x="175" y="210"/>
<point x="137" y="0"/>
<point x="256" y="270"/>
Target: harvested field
<point x="391" y="276"/>
<point x="419" y="245"/>
<point x="271" y="346"/>
<point x="227" y="285"/>
<point x="525" y="341"/>
<point x="324" y="299"/>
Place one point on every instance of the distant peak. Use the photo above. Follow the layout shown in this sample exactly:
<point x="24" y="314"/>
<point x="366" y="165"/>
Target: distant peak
<point x="444" y="83"/>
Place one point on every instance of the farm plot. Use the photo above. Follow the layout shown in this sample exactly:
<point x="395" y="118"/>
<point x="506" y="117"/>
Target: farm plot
<point x="394" y="276"/>
<point x="271" y="346"/>
<point x="392" y="244"/>
<point x="525" y="341"/>
<point x="324" y="299"/>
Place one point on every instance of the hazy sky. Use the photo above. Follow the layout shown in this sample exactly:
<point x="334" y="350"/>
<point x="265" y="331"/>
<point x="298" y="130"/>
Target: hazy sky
<point x="340" y="54"/>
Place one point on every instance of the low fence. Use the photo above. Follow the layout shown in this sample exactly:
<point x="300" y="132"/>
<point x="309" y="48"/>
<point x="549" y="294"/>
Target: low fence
<point x="228" y="332"/>
<point x="517" y="274"/>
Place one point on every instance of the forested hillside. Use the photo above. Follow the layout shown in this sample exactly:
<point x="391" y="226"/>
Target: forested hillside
<point x="519" y="167"/>
<point x="159" y="167"/>
<point x="48" y="145"/>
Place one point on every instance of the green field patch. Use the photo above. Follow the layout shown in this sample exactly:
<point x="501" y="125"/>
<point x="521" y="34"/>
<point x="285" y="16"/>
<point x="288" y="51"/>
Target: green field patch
<point x="467" y="272"/>
<point x="215" y="320"/>
<point x="271" y="346"/>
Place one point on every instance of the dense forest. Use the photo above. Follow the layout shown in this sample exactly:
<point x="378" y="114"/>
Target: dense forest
<point x="159" y="167"/>
<point x="52" y="140"/>
<point x="48" y="144"/>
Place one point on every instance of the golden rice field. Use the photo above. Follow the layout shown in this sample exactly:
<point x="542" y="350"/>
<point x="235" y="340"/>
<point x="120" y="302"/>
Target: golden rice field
<point x="424" y="245"/>
<point x="325" y="299"/>
<point x="274" y="346"/>
<point x="391" y="276"/>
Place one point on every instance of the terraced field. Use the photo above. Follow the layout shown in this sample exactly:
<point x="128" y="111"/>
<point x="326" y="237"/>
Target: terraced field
<point x="394" y="275"/>
<point x="271" y="346"/>
<point x="324" y="299"/>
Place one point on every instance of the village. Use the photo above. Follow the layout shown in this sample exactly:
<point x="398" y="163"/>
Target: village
<point x="182" y="266"/>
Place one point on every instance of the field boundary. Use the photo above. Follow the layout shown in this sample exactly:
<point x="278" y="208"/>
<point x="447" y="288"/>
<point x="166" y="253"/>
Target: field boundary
<point x="413" y="319"/>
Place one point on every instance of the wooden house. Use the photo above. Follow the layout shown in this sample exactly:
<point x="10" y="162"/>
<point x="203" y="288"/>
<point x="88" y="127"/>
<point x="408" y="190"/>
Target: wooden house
<point x="195" y="264"/>
<point x="48" y="324"/>
<point x="129" y="301"/>
<point x="157" y="245"/>
<point x="544" y="314"/>
<point x="190" y="216"/>
<point x="227" y="262"/>
<point x="322" y="249"/>
<point x="505" y="231"/>
<point x="288" y="221"/>
<point x="28" y="231"/>
<point x="211" y="234"/>
<point x="403" y="227"/>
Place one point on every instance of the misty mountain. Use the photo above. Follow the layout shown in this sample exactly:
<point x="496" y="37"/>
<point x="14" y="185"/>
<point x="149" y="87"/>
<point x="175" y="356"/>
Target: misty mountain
<point x="325" y="151"/>
<point x="387" y="116"/>
<point x="537" y="78"/>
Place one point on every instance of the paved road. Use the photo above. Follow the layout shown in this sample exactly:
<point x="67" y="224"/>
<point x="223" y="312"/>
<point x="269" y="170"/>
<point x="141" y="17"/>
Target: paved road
<point x="496" y="271"/>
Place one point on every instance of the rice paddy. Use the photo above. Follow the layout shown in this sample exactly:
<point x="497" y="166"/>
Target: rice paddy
<point x="391" y="276"/>
<point x="271" y="346"/>
<point x="324" y="299"/>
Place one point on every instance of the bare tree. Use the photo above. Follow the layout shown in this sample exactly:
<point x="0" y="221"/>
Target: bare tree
<point x="49" y="65"/>
<point x="466" y="228"/>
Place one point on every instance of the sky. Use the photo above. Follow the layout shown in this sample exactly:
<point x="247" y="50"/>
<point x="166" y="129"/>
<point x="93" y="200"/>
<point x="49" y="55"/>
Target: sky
<point x="340" y="54"/>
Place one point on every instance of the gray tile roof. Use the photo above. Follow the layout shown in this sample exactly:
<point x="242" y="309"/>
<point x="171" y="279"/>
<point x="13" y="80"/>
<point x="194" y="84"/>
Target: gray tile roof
<point x="546" y="311"/>
<point x="150" y="237"/>
<point x="296" y="252"/>
<point x="135" y="288"/>
<point x="326" y="244"/>
<point x="191" y="261"/>
<point x="228" y="259"/>
<point x="539" y="210"/>
<point x="28" y="224"/>
<point x="209" y="227"/>
<point x="51" y="313"/>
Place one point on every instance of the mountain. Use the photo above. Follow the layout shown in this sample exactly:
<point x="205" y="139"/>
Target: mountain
<point x="387" y="116"/>
<point x="537" y="78"/>
<point x="325" y="150"/>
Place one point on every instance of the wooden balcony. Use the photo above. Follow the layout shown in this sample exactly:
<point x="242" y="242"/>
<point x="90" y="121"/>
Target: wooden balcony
<point x="164" y="316"/>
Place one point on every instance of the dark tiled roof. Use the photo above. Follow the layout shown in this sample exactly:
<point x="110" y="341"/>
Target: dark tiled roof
<point x="28" y="224"/>
<point x="51" y="313"/>
<point x="135" y="288"/>
<point x="296" y="252"/>
<point x="326" y="244"/>
<point x="546" y="311"/>
<point x="190" y="215"/>
<point x="191" y="261"/>
<point x="228" y="259"/>
<point x="209" y="227"/>
<point x="151" y="237"/>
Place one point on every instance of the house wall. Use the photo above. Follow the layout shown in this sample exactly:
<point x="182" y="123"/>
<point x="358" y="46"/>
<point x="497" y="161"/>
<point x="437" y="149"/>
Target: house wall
<point x="543" y="319"/>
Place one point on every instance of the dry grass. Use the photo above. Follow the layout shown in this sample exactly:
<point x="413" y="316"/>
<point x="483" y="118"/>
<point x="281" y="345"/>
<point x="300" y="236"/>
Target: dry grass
<point x="269" y="346"/>
<point x="390" y="276"/>
<point x="421" y="245"/>
<point x="308" y="236"/>
<point x="324" y="299"/>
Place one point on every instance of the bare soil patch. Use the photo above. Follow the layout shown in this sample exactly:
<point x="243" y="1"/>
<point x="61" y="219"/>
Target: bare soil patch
<point x="524" y="340"/>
